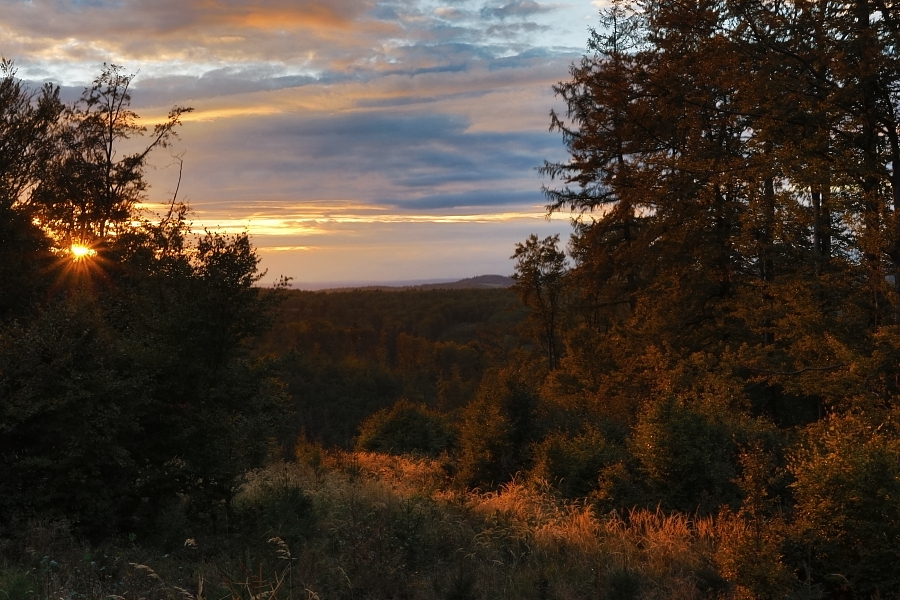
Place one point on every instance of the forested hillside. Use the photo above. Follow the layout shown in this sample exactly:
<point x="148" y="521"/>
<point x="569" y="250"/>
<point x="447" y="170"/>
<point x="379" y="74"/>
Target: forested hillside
<point x="347" y="354"/>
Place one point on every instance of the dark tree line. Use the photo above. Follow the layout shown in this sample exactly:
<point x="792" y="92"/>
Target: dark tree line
<point x="351" y="353"/>
<point x="126" y="390"/>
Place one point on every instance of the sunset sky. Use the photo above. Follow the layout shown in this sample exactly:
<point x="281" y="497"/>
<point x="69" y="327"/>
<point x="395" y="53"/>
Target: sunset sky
<point x="356" y="140"/>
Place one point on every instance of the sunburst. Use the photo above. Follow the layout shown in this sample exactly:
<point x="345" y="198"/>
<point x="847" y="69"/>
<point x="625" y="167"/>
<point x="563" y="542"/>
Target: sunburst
<point x="81" y="252"/>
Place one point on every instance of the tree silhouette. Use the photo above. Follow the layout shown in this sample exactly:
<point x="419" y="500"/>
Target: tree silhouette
<point x="539" y="272"/>
<point x="91" y="190"/>
<point x="123" y="397"/>
<point x="27" y="141"/>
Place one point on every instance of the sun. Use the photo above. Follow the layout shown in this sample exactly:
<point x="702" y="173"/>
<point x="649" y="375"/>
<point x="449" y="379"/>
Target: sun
<point x="80" y="252"/>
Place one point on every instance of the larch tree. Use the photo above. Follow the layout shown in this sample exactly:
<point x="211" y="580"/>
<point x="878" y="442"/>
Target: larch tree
<point x="733" y="178"/>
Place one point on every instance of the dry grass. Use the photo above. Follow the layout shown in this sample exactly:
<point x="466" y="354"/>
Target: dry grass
<point x="393" y="527"/>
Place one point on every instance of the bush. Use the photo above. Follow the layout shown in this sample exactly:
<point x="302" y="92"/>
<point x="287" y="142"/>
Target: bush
<point x="688" y="454"/>
<point x="572" y="463"/>
<point x="497" y="431"/>
<point x="847" y="490"/>
<point x="405" y="428"/>
<point x="275" y="507"/>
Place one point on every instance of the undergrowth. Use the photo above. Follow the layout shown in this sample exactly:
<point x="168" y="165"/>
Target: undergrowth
<point x="362" y="526"/>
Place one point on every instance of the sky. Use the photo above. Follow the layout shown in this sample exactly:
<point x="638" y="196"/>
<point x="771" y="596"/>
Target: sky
<point x="357" y="141"/>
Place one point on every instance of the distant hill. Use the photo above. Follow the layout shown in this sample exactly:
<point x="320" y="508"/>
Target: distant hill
<point x="481" y="282"/>
<point x="472" y="283"/>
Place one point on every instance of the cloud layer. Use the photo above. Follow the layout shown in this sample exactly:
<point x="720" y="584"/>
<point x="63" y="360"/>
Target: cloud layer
<point x="414" y="125"/>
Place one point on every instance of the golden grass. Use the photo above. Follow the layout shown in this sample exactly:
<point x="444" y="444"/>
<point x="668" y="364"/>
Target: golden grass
<point x="394" y="527"/>
<point x="524" y="539"/>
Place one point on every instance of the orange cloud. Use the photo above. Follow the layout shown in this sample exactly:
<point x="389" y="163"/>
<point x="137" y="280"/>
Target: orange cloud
<point x="282" y="15"/>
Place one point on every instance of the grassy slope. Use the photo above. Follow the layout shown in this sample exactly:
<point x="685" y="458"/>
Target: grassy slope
<point x="359" y="525"/>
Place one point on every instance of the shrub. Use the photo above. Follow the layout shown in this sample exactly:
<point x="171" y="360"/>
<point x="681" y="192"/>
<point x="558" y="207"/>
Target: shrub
<point x="497" y="431"/>
<point x="572" y="463"/>
<point x="406" y="428"/>
<point x="847" y="490"/>
<point x="688" y="455"/>
<point x="275" y="507"/>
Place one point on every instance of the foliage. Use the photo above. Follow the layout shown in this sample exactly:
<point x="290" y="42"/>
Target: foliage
<point x="847" y="487"/>
<point x="394" y="527"/>
<point x="351" y="353"/>
<point x="125" y="382"/>
<point x="89" y="190"/>
<point x="497" y="430"/>
<point x="709" y="215"/>
<point x="539" y="275"/>
<point x="574" y="462"/>
<point x="65" y="423"/>
<point x="721" y="376"/>
<point x="274" y="507"/>
<point x="27" y="138"/>
<point x="732" y="179"/>
<point x="406" y="428"/>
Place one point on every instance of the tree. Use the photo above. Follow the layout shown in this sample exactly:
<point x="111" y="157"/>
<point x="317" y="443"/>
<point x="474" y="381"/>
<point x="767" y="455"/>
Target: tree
<point x="121" y="400"/>
<point x="539" y="275"/>
<point x="27" y="138"/>
<point x="27" y="122"/>
<point x="733" y="178"/>
<point x="847" y="485"/>
<point x="731" y="175"/>
<point x="497" y="431"/>
<point x="91" y="191"/>
<point x="185" y="308"/>
<point x="69" y="397"/>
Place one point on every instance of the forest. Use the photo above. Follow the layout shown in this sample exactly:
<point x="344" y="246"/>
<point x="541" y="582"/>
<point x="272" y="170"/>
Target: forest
<point x="696" y="398"/>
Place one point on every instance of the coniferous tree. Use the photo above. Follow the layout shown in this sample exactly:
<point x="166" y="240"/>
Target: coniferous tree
<point x="733" y="177"/>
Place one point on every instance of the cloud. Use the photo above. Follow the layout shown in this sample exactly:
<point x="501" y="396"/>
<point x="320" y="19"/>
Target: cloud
<point x="507" y="30"/>
<point x="518" y="8"/>
<point x="331" y="126"/>
<point x="446" y="12"/>
<point x="192" y="35"/>
<point x="371" y="155"/>
<point x="478" y="199"/>
<point x="405" y="251"/>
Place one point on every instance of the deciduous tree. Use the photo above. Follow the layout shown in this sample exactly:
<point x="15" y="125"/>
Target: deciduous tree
<point x="92" y="188"/>
<point x="539" y="274"/>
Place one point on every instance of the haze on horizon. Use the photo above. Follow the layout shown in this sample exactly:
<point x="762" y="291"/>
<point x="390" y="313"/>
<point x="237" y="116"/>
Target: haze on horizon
<point x="356" y="140"/>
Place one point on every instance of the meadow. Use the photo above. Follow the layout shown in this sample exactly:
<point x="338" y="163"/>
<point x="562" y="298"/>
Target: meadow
<point x="361" y="525"/>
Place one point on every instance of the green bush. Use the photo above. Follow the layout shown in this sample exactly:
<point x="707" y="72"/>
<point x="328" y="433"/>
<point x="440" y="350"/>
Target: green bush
<point x="572" y="463"/>
<point x="847" y="491"/>
<point x="497" y="431"/>
<point x="688" y="455"/>
<point x="405" y="428"/>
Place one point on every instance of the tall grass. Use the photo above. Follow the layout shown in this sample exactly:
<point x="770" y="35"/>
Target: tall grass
<point x="362" y="526"/>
